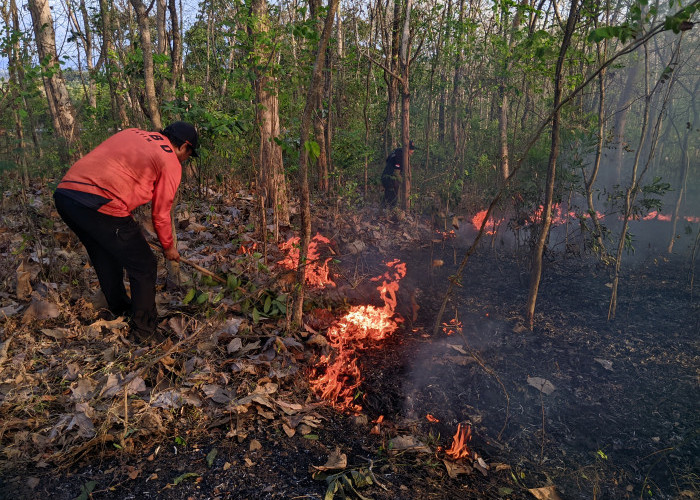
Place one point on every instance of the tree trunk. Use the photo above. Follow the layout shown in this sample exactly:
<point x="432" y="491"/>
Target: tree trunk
<point x="320" y="116"/>
<point x="305" y="209"/>
<point x="15" y="91"/>
<point x="271" y="176"/>
<point x="406" y="107"/>
<point x="176" y="51"/>
<point x="84" y="33"/>
<point x="589" y="182"/>
<point x="447" y="14"/>
<point x="148" y="72"/>
<point x="456" y="124"/>
<point x="624" y="104"/>
<point x="538" y="250"/>
<point x="116" y="102"/>
<point x="636" y="180"/>
<point x="60" y="106"/>
<point x="391" y="81"/>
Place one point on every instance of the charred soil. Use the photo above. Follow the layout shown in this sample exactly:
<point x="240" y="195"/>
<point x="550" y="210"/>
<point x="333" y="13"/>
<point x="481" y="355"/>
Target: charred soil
<point x="588" y="407"/>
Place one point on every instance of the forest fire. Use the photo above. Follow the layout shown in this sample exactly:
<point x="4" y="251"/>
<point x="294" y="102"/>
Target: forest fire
<point x="317" y="272"/>
<point x="337" y="376"/>
<point x="459" y="447"/>
<point x="559" y="217"/>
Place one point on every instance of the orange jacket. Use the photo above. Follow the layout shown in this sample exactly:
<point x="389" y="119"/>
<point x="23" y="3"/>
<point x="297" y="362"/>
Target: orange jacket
<point x="128" y="170"/>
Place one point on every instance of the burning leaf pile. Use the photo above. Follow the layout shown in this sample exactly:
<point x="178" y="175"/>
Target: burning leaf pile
<point x="459" y="447"/>
<point x="317" y="272"/>
<point x="337" y="375"/>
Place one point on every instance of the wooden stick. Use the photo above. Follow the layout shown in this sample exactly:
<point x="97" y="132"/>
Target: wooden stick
<point x="199" y="268"/>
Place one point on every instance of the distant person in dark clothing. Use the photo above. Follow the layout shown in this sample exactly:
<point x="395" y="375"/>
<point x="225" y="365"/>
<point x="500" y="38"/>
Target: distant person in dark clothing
<point x="390" y="176"/>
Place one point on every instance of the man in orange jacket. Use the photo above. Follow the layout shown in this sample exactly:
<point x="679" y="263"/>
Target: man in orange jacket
<point x="96" y="197"/>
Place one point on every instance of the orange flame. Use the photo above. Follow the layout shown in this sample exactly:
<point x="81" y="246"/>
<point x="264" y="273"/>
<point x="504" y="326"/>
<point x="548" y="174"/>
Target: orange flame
<point x="478" y="220"/>
<point x="316" y="273"/>
<point x="247" y="248"/>
<point x="337" y="376"/>
<point x="432" y="419"/>
<point x="446" y="235"/>
<point x="459" y="447"/>
<point x="559" y="216"/>
<point x="453" y="326"/>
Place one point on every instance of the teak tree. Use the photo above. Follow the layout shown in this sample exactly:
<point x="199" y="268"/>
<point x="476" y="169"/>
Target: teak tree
<point x="311" y="99"/>
<point x="271" y="178"/>
<point x="60" y="106"/>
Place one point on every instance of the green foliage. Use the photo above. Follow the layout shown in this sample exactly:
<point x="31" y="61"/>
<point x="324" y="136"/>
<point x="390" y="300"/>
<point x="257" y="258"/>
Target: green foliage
<point x="345" y="484"/>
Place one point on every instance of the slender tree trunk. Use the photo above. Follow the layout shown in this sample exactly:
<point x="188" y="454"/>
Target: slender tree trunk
<point x="84" y="33"/>
<point x="685" y="163"/>
<point x="147" y="49"/>
<point x="392" y="82"/>
<point x="685" y="167"/>
<point x="624" y="104"/>
<point x="365" y="104"/>
<point x="502" y="94"/>
<point x="271" y="169"/>
<point x="636" y="180"/>
<point x="405" y="60"/>
<point x="12" y="51"/>
<point x="60" y="105"/>
<point x="456" y="124"/>
<point x="447" y="14"/>
<point x="305" y="209"/>
<point x="589" y="182"/>
<point x="320" y="115"/>
<point x="116" y="101"/>
<point x="538" y="250"/>
<point x="176" y="51"/>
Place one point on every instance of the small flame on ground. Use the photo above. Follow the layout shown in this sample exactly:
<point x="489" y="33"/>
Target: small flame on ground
<point x="337" y="376"/>
<point x="447" y="235"/>
<point x="454" y="325"/>
<point x="317" y="272"/>
<point x="459" y="447"/>
<point x="247" y="248"/>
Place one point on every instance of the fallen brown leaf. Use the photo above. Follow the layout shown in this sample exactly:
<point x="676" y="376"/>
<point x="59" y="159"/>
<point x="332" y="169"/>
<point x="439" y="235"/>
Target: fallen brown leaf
<point x="454" y="469"/>
<point x="545" y="493"/>
<point x="336" y="461"/>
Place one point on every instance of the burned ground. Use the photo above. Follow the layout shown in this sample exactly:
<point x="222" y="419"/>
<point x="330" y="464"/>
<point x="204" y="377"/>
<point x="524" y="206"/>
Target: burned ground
<point x="594" y="408"/>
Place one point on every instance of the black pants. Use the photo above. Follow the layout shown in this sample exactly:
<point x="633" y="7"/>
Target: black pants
<point x="391" y="190"/>
<point x="115" y="244"/>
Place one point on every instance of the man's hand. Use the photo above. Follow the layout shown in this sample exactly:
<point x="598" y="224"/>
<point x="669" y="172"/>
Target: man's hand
<point x="172" y="254"/>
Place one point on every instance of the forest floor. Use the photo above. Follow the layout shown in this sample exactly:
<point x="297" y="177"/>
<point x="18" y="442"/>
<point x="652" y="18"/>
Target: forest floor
<point x="580" y="407"/>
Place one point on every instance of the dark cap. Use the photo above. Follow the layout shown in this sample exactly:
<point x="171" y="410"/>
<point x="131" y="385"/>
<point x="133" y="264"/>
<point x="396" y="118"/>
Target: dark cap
<point x="186" y="133"/>
<point x="411" y="147"/>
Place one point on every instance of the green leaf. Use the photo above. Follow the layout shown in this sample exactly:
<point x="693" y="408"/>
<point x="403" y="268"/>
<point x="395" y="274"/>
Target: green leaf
<point x="313" y="149"/>
<point x="211" y="456"/>
<point x="186" y="475"/>
<point x="203" y="297"/>
<point x="190" y="295"/>
<point x="85" y="490"/>
<point x="268" y="303"/>
<point x="313" y="437"/>
<point x="256" y="315"/>
<point x="598" y="35"/>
